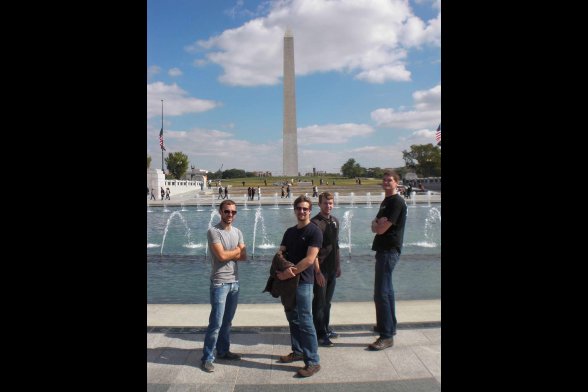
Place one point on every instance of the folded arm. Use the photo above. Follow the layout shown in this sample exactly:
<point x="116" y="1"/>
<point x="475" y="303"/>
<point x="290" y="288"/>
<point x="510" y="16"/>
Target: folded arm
<point x="226" y="255"/>
<point x="380" y="225"/>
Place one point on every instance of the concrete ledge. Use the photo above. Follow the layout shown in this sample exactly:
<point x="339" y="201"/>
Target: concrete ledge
<point x="272" y="315"/>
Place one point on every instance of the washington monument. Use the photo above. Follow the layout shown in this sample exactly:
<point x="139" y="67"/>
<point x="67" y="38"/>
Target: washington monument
<point x="290" y="146"/>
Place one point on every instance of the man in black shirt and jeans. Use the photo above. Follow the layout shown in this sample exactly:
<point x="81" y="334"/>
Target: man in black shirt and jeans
<point x="329" y="270"/>
<point x="389" y="228"/>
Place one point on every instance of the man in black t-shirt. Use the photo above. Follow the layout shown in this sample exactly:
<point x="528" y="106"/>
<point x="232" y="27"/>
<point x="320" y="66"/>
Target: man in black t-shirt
<point x="389" y="228"/>
<point x="329" y="269"/>
<point x="301" y="244"/>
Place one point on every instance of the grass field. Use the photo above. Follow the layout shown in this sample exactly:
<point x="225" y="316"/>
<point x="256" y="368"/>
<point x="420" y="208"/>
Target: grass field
<point x="259" y="181"/>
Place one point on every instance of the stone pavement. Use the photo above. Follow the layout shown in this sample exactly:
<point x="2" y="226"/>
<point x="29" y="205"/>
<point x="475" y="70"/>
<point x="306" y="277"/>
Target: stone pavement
<point x="174" y="349"/>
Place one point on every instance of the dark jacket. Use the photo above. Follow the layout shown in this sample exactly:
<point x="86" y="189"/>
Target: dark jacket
<point x="286" y="289"/>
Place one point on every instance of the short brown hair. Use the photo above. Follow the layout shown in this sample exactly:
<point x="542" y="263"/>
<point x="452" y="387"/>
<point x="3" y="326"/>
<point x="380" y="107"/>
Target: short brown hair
<point x="325" y="195"/>
<point x="226" y="202"/>
<point x="392" y="174"/>
<point x="301" y="199"/>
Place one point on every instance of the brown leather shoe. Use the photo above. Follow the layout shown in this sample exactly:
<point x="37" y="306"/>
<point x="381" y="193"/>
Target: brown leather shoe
<point x="291" y="358"/>
<point x="309" y="370"/>
<point x="381" y="344"/>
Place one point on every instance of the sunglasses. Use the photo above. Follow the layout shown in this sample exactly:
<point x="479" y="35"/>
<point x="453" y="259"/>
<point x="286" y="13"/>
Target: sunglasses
<point x="301" y="208"/>
<point x="232" y="212"/>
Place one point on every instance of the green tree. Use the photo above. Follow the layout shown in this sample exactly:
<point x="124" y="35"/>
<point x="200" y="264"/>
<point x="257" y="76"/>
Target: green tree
<point x="234" y="173"/>
<point x="374" y="172"/>
<point x="352" y="169"/>
<point x="425" y="159"/>
<point x="177" y="164"/>
<point x="148" y="161"/>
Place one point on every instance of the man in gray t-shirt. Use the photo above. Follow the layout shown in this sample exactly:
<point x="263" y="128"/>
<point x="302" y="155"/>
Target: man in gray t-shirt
<point x="227" y="247"/>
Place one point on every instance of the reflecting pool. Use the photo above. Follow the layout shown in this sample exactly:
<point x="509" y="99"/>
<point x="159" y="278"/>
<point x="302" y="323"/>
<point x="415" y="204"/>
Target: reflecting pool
<point x="178" y="260"/>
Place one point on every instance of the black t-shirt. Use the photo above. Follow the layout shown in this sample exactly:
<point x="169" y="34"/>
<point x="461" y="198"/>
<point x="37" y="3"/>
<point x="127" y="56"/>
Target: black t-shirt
<point x="297" y="242"/>
<point x="328" y="252"/>
<point x="394" y="208"/>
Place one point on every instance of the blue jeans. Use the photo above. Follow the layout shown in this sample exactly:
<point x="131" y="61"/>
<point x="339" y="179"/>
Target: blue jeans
<point x="321" y="304"/>
<point x="302" y="332"/>
<point x="384" y="292"/>
<point x="223" y="298"/>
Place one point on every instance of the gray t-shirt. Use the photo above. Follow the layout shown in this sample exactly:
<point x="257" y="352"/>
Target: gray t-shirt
<point x="227" y="272"/>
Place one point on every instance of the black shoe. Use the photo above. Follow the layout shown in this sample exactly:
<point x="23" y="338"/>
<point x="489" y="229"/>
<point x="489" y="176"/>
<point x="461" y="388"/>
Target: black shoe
<point x="207" y="366"/>
<point x="231" y="356"/>
<point x="332" y="335"/>
<point x="325" y="342"/>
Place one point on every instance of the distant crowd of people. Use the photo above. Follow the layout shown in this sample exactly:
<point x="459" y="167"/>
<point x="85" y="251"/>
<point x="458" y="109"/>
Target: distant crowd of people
<point x="165" y="193"/>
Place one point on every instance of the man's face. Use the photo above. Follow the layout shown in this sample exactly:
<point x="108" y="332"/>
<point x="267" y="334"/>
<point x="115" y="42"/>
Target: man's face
<point x="326" y="206"/>
<point x="388" y="183"/>
<point x="302" y="210"/>
<point x="228" y="213"/>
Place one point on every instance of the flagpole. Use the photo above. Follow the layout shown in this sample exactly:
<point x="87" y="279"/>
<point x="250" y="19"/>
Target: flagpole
<point x="162" y="131"/>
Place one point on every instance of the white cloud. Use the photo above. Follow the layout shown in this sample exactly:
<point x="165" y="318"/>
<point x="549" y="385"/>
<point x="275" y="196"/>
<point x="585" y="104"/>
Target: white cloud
<point x="174" y="72"/>
<point x="176" y="101"/>
<point x="367" y="38"/>
<point x="152" y="71"/>
<point x="385" y="73"/>
<point x="233" y="152"/>
<point x="426" y="113"/>
<point x="208" y="149"/>
<point x="332" y="133"/>
<point x="389" y="155"/>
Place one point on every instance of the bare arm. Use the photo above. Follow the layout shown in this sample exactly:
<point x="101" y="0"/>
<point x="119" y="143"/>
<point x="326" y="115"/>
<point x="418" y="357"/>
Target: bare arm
<point x="318" y="276"/>
<point x="243" y="256"/>
<point x="311" y="255"/>
<point x="225" y="255"/>
<point x="380" y="225"/>
<point x="317" y="266"/>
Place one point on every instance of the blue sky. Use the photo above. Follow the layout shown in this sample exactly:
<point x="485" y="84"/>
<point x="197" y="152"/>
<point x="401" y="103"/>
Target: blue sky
<point x="368" y="80"/>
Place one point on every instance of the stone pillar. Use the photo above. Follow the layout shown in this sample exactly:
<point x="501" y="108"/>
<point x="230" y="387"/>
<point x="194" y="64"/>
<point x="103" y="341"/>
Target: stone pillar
<point x="155" y="180"/>
<point x="290" y="145"/>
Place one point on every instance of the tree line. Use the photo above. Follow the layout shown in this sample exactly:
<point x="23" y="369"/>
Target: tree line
<point x="422" y="159"/>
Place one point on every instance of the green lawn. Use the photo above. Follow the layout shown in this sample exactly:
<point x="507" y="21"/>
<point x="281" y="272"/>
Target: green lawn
<point x="259" y="181"/>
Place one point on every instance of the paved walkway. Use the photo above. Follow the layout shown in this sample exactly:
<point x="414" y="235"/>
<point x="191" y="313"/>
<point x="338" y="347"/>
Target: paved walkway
<point x="175" y="336"/>
<point x="207" y="198"/>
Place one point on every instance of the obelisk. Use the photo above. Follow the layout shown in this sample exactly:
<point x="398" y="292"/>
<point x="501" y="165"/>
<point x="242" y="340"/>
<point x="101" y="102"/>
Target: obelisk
<point x="290" y="146"/>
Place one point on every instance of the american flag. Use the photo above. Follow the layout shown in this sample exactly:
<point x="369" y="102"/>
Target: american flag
<point x="438" y="135"/>
<point x="161" y="139"/>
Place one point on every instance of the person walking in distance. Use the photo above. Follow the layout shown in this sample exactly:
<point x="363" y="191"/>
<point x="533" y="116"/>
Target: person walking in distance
<point x="227" y="248"/>
<point x="329" y="269"/>
<point x="300" y="245"/>
<point x="389" y="228"/>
